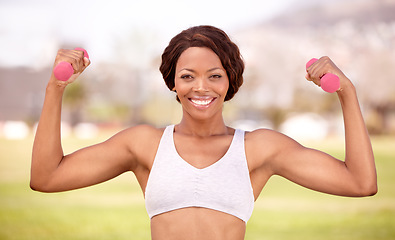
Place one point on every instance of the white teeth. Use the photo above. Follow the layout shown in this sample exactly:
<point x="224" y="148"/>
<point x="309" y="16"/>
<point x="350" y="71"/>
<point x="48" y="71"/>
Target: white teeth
<point x="201" y="102"/>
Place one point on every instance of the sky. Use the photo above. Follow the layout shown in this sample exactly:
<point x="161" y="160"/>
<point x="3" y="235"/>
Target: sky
<point x="31" y="31"/>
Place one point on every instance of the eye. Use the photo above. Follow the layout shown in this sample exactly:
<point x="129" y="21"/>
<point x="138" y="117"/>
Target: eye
<point x="216" y="76"/>
<point x="186" y="76"/>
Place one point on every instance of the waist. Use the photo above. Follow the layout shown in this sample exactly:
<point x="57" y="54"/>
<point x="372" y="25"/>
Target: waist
<point x="197" y="223"/>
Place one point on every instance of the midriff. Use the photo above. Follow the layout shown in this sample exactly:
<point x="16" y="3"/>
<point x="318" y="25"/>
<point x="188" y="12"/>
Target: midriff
<point x="194" y="223"/>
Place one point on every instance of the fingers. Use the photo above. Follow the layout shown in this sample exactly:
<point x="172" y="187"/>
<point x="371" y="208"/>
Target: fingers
<point x="69" y="64"/>
<point x="87" y="62"/>
<point x="74" y="57"/>
<point x="316" y="81"/>
<point x="319" y="68"/>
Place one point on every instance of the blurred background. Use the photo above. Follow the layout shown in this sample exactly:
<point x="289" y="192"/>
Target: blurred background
<point x="125" y="40"/>
<point x="123" y="87"/>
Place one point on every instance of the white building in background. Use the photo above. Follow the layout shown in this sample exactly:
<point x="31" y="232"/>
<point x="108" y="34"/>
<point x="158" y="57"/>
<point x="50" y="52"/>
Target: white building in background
<point x="306" y="126"/>
<point x="14" y="130"/>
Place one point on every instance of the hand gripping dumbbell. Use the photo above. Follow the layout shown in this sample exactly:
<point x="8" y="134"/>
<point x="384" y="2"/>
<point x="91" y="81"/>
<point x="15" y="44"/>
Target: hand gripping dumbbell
<point x="329" y="81"/>
<point x="64" y="70"/>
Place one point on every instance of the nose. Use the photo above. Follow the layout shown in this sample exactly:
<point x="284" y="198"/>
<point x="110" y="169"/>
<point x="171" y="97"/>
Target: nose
<point x="201" y="85"/>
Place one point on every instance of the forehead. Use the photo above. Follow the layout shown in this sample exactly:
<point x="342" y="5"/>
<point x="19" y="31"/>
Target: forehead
<point x="198" y="57"/>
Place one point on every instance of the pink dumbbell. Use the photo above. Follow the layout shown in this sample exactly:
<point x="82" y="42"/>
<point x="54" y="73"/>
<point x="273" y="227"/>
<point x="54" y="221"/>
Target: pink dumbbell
<point x="329" y="82"/>
<point x="64" y="70"/>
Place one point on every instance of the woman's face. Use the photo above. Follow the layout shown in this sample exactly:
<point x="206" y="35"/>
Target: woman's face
<point x="201" y="82"/>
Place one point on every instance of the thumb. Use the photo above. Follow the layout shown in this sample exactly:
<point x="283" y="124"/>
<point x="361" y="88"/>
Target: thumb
<point x="87" y="62"/>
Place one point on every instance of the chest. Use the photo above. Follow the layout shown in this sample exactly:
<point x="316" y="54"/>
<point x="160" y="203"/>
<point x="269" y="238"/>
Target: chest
<point x="202" y="152"/>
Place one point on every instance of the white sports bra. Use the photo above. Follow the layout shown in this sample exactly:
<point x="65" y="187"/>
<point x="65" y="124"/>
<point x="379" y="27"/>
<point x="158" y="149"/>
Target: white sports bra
<point x="224" y="186"/>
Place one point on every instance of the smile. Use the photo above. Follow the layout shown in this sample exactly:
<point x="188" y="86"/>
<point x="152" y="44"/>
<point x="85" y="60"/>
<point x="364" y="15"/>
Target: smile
<point x="202" y="102"/>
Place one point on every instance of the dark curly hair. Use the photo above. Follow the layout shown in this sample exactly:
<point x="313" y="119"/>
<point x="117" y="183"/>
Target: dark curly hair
<point x="204" y="36"/>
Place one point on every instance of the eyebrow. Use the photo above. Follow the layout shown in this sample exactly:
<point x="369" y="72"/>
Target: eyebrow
<point x="210" y="70"/>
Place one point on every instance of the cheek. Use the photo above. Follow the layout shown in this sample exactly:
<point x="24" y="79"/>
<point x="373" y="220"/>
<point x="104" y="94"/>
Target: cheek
<point x="178" y="87"/>
<point x="225" y="91"/>
<point x="225" y="87"/>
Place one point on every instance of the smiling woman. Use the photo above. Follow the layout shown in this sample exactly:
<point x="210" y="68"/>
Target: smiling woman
<point x="205" y="37"/>
<point x="199" y="86"/>
<point x="200" y="177"/>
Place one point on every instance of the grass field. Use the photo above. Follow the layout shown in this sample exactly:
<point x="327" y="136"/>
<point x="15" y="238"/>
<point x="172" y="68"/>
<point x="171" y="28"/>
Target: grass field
<point x="115" y="209"/>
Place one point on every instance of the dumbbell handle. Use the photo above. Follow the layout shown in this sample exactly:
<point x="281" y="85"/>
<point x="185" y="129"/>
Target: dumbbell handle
<point x="63" y="71"/>
<point x="329" y="81"/>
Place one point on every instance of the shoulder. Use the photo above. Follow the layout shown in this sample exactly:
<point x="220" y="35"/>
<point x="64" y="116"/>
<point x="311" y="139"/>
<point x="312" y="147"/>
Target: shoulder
<point x="261" y="141"/>
<point x="144" y="131"/>
<point x="263" y="145"/>
<point x="266" y="136"/>
<point x="141" y="142"/>
<point x="140" y="138"/>
<point x="140" y="135"/>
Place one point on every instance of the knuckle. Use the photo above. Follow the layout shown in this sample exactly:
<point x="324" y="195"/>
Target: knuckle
<point x="325" y="58"/>
<point x="60" y="52"/>
<point x="74" y="62"/>
<point x="80" y="53"/>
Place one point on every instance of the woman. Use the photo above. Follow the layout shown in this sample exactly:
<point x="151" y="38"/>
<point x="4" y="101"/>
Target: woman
<point x="200" y="177"/>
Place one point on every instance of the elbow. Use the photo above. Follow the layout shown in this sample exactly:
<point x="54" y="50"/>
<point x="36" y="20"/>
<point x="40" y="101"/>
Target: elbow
<point x="371" y="191"/>
<point x="45" y="185"/>
<point x="368" y="190"/>
<point x="40" y="181"/>
<point x="371" y="188"/>
<point x="39" y="186"/>
<point x="36" y="187"/>
<point x="35" y="183"/>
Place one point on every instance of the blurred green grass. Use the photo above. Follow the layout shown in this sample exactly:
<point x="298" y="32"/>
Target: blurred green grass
<point x="115" y="209"/>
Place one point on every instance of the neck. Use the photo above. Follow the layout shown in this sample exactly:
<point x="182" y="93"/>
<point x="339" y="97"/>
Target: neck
<point x="202" y="128"/>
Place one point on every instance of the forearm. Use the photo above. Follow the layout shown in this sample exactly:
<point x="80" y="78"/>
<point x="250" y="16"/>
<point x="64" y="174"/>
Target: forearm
<point x="47" y="148"/>
<point x="359" y="157"/>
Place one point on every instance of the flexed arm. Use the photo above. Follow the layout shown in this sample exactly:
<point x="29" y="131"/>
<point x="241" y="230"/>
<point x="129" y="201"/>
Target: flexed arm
<point x="359" y="158"/>
<point x="356" y="175"/>
<point x="353" y="176"/>
<point x="47" y="149"/>
<point x="51" y="170"/>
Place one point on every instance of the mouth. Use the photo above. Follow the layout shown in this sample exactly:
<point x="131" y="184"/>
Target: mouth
<point x="202" y="102"/>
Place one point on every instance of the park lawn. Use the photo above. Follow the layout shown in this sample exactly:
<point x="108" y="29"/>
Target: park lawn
<point x="115" y="209"/>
